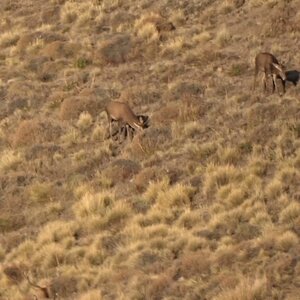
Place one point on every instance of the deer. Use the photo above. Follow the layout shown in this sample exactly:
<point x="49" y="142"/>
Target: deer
<point x="268" y="63"/>
<point x="127" y="120"/>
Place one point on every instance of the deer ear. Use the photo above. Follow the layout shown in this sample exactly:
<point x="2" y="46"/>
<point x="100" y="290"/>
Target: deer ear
<point x="276" y="66"/>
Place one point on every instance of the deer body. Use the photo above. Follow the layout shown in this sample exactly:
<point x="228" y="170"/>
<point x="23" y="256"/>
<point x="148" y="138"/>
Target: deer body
<point x="122" y="113"/>
<point x="269" y="65"/>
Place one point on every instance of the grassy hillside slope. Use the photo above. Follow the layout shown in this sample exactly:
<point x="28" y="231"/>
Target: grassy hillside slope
<point x="204" y="204"/>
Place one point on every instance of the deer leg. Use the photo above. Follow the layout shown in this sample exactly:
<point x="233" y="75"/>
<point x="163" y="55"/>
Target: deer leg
<point x="130" y="132"/>
<point x="275" y="88"/>
<point x="120" y="126"/>
<point x="109" y="126"/>
<point x="254" y="81"/>
<point x="264" y="79"/>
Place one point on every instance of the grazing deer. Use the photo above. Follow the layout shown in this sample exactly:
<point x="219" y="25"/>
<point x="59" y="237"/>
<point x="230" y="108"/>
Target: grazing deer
<point x="122" y="113"/>
<point x="267" y="63"/>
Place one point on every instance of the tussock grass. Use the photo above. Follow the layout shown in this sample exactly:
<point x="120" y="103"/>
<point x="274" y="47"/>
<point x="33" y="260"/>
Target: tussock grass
<point x="176" y="196"/>
<point x="148" y="32"/>
<point x="51" y="255"/>
<point x="290" y="213"/>
<point x="40" y="193"/>
<point x="202" y="204"/>
<point x="286" y="241"/>
<point x="56" y="231"/>
<point x="9" y="38"/>
<point x="85" y="121"/>
<point x="91" y="295"/>
<point x="248" y="289"/>
<point x="93" y="205"/>
<point x="223" y="37"/>
<point x="10" y="159"/>
<point x="217" y="177"/>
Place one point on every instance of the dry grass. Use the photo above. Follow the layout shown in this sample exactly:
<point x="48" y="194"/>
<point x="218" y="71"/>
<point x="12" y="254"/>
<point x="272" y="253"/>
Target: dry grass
<point x="36" y="131"/>
<point x="202" y="204"/>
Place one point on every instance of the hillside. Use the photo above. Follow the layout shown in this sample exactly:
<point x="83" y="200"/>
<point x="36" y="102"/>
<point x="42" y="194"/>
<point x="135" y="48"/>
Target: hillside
<point x="203" y="204"/>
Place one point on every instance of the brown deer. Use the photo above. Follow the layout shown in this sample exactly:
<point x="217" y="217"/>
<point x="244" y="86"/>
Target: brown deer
<point x="268" y="63"/>
<point x="122" y="113"/>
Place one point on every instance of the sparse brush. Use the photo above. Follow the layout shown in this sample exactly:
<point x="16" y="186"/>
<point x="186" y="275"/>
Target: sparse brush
<point x="36" y="131"/>
<point x="154" y="188"/>
<point x="114" y="49"/>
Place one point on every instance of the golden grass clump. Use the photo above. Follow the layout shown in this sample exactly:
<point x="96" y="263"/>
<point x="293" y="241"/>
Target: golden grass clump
<point x="232" y="197"/>
<point x="70" y="11"/>
<point x="247" y="289"/>
<point x="229" y="155"/>
<point x="148" y="32"/>
<point x="91" y="295"/>
<point x="290" y="213"/>
<point x="173" y="47"/>
<point x="10" y="159"/>
<point x="223" y="37"/>
<point x="93" y="205"/>
<point x="85" y="120"/>
<point x="9" y="38"/>
<point x="40" y="192"/>
<point x="274" y="189"/>
<point x="155" y="187"/>
<point x="56" y="231"/>
<point x="286" y="241"/>
<point x="218" y="176"/>
<point x="176" y="196"/>
<point x="202" y="37"/>
<point x="98" y="133"/>
<point x="49" y="256"/>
